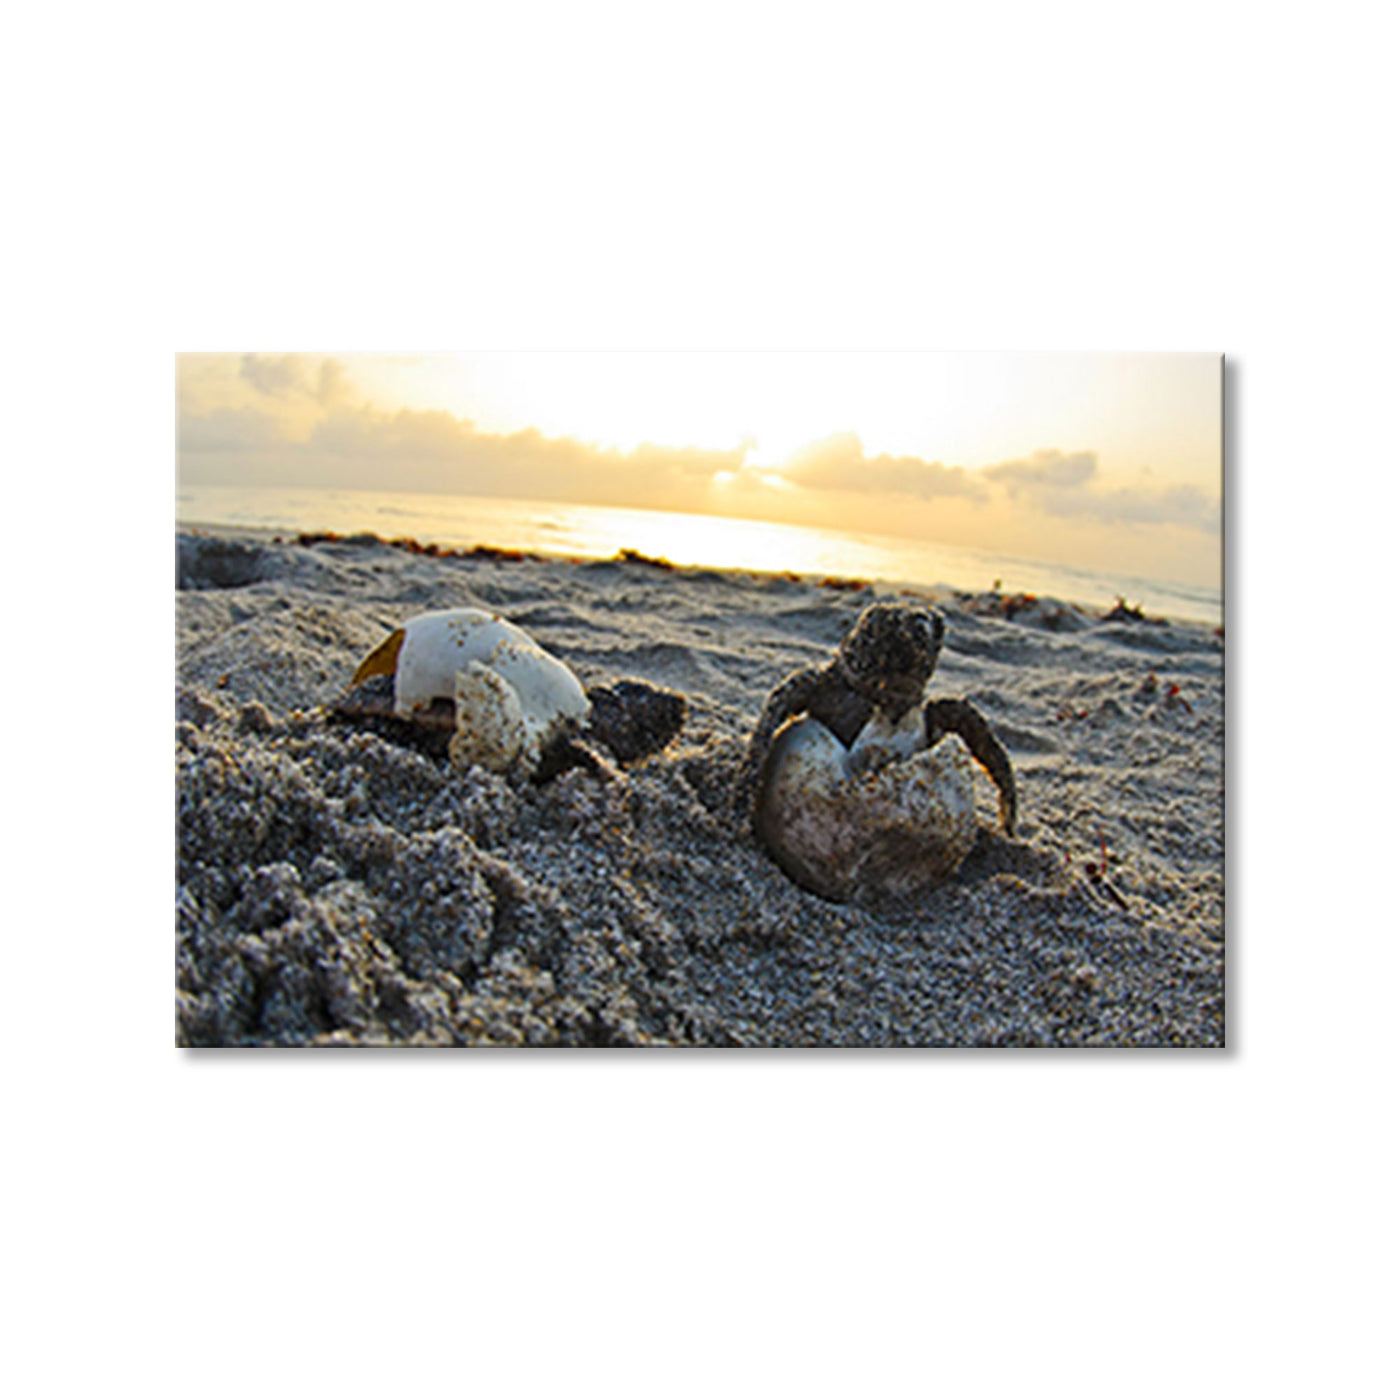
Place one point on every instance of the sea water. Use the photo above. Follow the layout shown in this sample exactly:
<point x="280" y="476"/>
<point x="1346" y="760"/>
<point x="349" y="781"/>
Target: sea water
<point x="599" y="532"/>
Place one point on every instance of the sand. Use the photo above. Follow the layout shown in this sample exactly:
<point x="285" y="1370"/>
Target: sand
<point x="335" y="889"/>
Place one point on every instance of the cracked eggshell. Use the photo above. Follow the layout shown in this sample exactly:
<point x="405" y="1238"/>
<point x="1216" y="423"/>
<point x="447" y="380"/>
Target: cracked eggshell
<point x="885" y="818"/>
<point x="437" y="646"/>
<point x="491" y="727"/>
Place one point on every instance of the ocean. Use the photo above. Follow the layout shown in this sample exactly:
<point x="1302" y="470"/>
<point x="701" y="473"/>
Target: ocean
<point x="599" y="532"/>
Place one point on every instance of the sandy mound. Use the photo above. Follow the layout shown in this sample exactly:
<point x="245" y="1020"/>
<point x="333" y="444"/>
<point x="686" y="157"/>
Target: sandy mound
<point x="337" y="889"/>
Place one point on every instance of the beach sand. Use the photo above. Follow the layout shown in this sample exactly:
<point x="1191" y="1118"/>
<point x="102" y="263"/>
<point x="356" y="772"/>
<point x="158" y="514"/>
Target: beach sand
<point x="335" y="889"/>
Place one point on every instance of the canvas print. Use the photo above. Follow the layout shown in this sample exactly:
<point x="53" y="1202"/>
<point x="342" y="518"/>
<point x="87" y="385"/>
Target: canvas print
<point x="758" y="700"/>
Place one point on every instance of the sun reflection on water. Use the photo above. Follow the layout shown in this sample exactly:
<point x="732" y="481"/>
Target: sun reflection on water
<point x="711" y="541"/>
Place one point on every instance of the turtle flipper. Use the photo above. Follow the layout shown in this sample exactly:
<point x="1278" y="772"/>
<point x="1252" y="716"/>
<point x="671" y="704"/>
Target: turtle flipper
<point x="633" y="719"/>
<point x="958" y="717"/>
<point x="571" y="752"/>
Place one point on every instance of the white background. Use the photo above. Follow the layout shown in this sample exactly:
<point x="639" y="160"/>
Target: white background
<point x="428" y="177"/>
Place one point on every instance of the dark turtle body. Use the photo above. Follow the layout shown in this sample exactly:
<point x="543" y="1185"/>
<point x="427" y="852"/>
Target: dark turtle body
<point x="884" y="663"/>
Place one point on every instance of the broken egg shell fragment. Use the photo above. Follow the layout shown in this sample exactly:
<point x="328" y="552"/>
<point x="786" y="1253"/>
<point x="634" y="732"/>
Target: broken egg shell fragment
<point x="881" y="742"/>
<point x="885" y="818"/>
<point x="491" y="730"/>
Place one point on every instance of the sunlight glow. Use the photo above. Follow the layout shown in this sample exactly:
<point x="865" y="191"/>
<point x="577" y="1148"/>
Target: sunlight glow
<point x="1105" y="461"/>
<point x="1156" y="412"/>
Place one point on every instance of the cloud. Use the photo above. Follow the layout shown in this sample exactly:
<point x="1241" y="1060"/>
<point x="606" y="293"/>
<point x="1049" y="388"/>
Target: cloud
<point x="1187" y="506"/>
<point x="359" y="447"/>
<point x="1044" y="469"/>
<point x="699" y="463"/>
<point x="229" y="430"/>
<point x="1065" y="485"/>
<point x="431" y="434"/>
<point x="288" y="377"/>
<point x="278" y="376"/>
<point x="839" y="463"/>
<point x="332" y="382"/>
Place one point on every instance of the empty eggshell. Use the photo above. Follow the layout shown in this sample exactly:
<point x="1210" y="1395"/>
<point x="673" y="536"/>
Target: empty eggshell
<point x="437" y="645"/>
<point x="453" y="655"/>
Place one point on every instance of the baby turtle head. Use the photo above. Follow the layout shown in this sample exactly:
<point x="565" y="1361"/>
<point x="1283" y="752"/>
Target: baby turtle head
<point x="889" y="655"/>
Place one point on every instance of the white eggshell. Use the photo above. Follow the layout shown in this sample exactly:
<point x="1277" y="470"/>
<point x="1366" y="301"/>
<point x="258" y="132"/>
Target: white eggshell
<point x="887" y="817"/>
<point x="438" y="645"/>
<point x="491" y="728"/>
<point x="881" y="742"/>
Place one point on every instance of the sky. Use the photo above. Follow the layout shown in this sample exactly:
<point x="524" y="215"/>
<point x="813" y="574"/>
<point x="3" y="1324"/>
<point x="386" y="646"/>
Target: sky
<point x="1095" y="461"/>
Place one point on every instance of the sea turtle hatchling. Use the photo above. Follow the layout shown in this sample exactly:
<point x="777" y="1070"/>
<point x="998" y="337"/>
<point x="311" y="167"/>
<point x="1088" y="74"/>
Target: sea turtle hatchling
<point x="469" y="685"/>
<point x="851" y="783"/>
